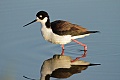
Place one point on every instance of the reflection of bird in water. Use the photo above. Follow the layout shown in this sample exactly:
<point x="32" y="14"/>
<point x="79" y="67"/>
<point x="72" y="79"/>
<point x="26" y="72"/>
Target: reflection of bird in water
<point x="63" y="72"/>
<point x="61" y="67"/>
<point x="61" y="32"/>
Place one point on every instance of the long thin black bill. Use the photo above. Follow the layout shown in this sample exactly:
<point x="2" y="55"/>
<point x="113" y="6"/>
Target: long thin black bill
<point x="30" y="22"/>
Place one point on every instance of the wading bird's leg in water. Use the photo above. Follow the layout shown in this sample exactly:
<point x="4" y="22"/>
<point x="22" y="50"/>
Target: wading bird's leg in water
<point x="85" y="50"/>
<point x="62" y="49"/>
<point x="84" y="45"/>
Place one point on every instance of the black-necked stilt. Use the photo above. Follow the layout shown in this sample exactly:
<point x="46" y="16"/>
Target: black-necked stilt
<point x="61" y="32"/>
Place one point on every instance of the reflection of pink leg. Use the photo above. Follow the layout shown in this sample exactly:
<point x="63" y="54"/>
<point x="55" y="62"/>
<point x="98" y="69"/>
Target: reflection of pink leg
<point x="85" y="50"/>
<point x="62" y="49"/>
<point x="77" y="58"/>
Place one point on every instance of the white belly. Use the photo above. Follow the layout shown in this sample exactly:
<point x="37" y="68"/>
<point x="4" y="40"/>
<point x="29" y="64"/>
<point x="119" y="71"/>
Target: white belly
<point x="54" y="38"/>
<point x="60" y="39"/>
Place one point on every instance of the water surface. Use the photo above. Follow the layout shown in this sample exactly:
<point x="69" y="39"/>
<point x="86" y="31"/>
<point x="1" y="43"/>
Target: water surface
<point x="23" y="50"/>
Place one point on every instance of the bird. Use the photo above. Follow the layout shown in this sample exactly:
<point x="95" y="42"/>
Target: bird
<point x="61" y="32"/>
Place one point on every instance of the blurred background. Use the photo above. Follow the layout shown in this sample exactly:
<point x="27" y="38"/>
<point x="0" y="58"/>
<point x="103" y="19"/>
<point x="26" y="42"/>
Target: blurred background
<point x="23" y="50"/>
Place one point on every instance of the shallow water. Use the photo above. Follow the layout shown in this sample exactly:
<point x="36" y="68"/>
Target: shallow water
<point x="22" y="50"/>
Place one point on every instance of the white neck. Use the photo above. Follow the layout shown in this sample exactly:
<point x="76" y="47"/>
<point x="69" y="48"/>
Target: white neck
<point x="46" y="32"/>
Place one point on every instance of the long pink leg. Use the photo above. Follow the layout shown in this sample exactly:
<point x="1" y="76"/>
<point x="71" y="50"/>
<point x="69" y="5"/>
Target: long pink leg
<point x="62" y="49"/>
<point x="84" y="45"/>
<point x="85" y="50"/>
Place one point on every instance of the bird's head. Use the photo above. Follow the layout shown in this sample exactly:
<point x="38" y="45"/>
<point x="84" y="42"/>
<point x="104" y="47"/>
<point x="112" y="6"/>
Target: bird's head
<point x="41" y="17"/>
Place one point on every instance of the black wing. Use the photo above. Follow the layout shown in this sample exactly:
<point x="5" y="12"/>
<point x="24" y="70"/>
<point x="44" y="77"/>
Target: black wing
<point x="66" y="28"/>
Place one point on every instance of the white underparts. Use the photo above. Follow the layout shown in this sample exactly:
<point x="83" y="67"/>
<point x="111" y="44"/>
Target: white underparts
<point x="54" y="38"/>
<point x="80" y="36"/>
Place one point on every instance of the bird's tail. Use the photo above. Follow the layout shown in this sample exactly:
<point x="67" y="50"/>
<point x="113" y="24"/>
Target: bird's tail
<point x="89" y="32"/>
<point x="93" y="31"/>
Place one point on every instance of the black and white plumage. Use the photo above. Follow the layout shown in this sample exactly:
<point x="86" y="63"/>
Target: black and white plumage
<point x="61" y="32"/>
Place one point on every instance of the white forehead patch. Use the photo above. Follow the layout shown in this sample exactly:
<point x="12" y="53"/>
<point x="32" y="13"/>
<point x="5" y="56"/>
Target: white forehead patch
<point x="40" y="15"/>
<point x="42" y="20"/>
